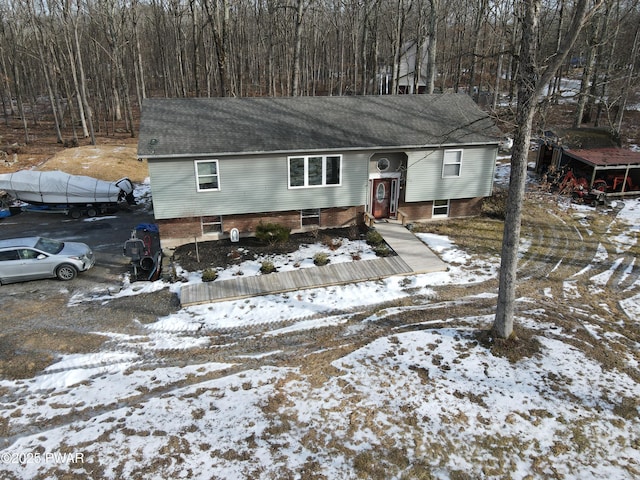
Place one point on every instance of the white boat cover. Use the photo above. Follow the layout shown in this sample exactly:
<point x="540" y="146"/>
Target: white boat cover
<point x="62" y="188"/>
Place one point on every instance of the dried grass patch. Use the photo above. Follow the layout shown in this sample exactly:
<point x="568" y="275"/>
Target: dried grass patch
<point x="23" y="365"/>
<point x="24" y="354"/>
<point x="318" y="369"/>
<point x="105" y="162"/>
<point x="477" y="235"/>
<point x="515" y="348"/>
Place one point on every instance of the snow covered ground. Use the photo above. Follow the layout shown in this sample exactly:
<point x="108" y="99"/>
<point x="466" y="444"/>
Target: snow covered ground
<point x="430" y="401"/>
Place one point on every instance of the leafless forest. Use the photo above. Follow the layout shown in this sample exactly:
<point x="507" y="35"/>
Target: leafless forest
<point x="89" y="63"/>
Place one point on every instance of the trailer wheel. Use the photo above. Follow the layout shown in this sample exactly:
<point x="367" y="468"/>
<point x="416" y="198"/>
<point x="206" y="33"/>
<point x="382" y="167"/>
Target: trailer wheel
<point x="91" y="212"/>
<point x="75" y="213"/>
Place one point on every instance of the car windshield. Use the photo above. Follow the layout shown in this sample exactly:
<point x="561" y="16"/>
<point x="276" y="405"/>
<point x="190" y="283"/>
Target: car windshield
<point x="48" y="245"/>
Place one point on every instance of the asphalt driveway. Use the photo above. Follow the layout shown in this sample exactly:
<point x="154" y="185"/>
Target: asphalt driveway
<point x="42" y="319"/>
<point x="105" y="234"/>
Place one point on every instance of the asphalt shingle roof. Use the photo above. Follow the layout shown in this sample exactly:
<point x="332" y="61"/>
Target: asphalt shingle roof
<point x="202" y="126"/>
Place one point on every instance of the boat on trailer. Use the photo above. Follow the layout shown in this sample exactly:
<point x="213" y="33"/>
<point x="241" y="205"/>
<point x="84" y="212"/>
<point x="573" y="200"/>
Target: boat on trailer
<point x="62" y="192"/>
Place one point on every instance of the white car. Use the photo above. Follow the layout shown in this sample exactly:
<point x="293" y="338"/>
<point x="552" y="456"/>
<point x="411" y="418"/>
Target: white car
<point x="32" y="258"/>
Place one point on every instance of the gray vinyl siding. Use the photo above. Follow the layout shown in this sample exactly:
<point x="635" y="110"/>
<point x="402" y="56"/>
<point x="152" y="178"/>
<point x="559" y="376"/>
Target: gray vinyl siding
<point x="249" y="185"/>
<point x="425" y="181"/>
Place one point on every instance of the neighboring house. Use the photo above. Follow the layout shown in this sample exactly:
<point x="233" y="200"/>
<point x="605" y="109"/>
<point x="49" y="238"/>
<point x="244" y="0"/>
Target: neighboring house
<point x="216" y="164"/>
<point x="409" y="81"/>
<point x="592" y="154"/>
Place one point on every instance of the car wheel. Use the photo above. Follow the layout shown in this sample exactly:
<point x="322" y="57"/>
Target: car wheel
<point x="91" y="212"/>
<point x="66" y="272"/>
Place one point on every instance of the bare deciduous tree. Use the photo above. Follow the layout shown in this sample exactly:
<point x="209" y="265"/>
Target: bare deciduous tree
<point x="105" y="56"/>
<point x="534" y="74"/>
<point x="218" y="19"/>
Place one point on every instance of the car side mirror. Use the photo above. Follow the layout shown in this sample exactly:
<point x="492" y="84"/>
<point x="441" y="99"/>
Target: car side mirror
<point x="42" y="256"/>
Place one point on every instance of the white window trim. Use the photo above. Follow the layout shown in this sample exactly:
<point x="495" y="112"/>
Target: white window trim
<point x="195" y="164"/>
<point x="306" y="172"/>
<point x="445" y="163"/>
<point x="440" y="215"/>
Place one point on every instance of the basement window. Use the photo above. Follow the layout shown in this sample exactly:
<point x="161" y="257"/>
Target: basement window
<point x="211" y="224"/>
<point x="440" y="208"/>
<point x="310" y="217"/>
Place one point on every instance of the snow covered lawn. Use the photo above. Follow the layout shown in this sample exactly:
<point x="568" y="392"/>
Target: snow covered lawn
<point x="344" y="382"/>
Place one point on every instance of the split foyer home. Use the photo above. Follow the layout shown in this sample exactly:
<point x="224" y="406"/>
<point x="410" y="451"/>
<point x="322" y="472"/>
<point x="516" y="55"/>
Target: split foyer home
<point x="219" y="164"/>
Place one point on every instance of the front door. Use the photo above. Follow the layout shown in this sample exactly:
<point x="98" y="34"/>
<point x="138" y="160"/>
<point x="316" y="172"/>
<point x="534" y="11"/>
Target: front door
<point x="381" y="201"/>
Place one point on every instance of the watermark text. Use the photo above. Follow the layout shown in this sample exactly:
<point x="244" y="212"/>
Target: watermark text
<point x="23" y="458"/>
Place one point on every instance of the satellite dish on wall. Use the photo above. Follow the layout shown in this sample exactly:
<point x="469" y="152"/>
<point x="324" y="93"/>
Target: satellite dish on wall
<point x="235" y="235"/>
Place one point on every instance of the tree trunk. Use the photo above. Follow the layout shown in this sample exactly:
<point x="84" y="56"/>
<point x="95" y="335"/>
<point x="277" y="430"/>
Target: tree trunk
<point x="7" y="96"/>
<point x="23" y="116"/>
<point x="514" y="63"/>
<point x="297" y="42"/>
<point x="271" y="56"/>
<point x="45" y="63"/>
<point x="617" y="123"/>
<point x="609" y="62"/>
<point x="432" y="39"/>
<point x="76" y="87"/>
<point x="589" y="65"/>
<point x="600" y="66"/>
<point x="474" y="90"/>
<point x="397" y="47"/>
<point x="498" y="77"/>
<point x="530" y="86"/>
<point x="527" y="83"/>
<point x="195" y="39"/>
<point x="72" y="110"/>
<point x="218" y="17"/>
<point x="138" y="65"/>
<point x="554" y="83"/>
<point x="83" y="84"/>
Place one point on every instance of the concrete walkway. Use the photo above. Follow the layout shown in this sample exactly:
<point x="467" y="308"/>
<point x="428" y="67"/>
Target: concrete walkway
<point x="413" y="256"/>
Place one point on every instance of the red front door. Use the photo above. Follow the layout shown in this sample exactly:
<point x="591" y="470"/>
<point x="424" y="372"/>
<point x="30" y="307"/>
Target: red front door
<point x="381" y="201"/>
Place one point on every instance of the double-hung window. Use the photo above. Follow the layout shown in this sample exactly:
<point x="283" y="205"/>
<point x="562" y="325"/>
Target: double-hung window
<point x="315" y="171"/>
<point x="440" y="208"/>
<point x="207" y="175"/>
<point x="452" y="163"/>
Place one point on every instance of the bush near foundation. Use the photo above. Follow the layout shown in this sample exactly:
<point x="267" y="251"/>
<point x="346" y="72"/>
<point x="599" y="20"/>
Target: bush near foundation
<point x="382" y="250"/>
<point x="272" y="233"/>
<point x="209" y="275"/>
<point x="267" y="267"/>
<point x="374" y="238"/>
<point x="320" y="259"/>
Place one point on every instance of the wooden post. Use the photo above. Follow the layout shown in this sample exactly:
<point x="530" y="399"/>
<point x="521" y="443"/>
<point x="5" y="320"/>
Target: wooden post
<point x="626" y="176"/>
